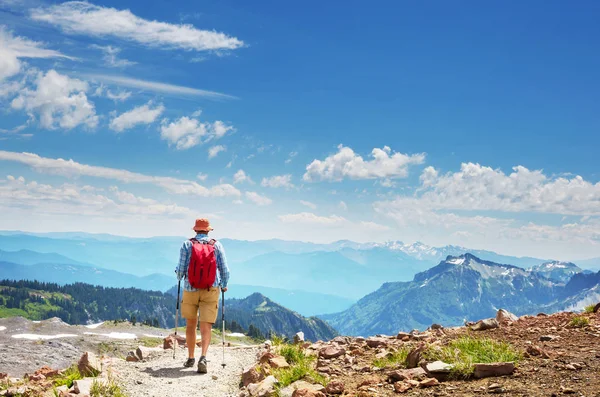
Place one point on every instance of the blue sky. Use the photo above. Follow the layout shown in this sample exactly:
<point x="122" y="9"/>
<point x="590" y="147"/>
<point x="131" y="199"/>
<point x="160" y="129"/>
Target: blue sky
<point x="472" y="124"/>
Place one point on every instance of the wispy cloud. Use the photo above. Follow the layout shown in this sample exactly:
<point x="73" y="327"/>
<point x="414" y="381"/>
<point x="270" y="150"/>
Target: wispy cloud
<point x="73" y="169"/>
<point x="111" y="56"/>
<point x="258" y="199"/>
<point x="308" y="218"/>
<point x="155" y="86"/>
<point x="80" y="17"/>
<point x="308" y="204"/>
<point x="12" y="48"/>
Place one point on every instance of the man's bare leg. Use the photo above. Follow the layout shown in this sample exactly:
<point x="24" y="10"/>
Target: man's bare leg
<point x="190" y="336"/>
<point x="206" y="333"/>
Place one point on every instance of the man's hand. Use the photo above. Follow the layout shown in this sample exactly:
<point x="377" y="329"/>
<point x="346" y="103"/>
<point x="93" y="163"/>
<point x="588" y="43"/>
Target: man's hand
<point x="224" y="289"/>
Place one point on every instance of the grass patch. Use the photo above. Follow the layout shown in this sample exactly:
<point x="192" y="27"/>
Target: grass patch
<point x="67" y="377"/>
<point x="467" y="350"/>
<point x="109" y="389"/>
<point x="393" y="360"/>
<point x="301" y="366"/>
<point x="149" y="341"/>
<point x="589" y="309"/>
<point x="579" y="322"/>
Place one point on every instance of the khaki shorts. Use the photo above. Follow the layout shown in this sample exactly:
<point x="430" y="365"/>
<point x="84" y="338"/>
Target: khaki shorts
<point x="206" y="301"/>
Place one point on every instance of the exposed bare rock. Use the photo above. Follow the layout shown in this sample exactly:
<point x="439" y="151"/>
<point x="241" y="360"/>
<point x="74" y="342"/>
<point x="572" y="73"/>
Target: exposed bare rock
<point x="486" y="324"/>
<point x="493" y="369"/>
<point x="332" y="352"/>
<point x="414" y="357"/>
<point x="505" y="317"/>
<point x="335" y="387"/>
<point x="89" y="364"/>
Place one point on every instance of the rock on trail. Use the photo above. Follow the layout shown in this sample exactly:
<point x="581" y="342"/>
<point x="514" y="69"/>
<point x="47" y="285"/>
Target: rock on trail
<point x="166" y="377"/>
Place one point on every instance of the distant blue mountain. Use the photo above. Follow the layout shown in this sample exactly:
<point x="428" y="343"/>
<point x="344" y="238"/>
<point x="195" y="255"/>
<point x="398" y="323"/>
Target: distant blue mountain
<point x="68" y="274"/>
<point x="28" y="257"/>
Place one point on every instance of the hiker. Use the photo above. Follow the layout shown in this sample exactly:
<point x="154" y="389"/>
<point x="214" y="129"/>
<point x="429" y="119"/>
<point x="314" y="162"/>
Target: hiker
<point x="200" y="259"/>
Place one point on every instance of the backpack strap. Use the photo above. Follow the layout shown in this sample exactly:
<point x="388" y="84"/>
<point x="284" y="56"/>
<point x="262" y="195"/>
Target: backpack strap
<point x="212" y="241"/>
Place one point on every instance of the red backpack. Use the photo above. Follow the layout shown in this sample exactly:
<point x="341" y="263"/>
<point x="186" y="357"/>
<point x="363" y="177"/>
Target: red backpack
<point x="202" y="271"/>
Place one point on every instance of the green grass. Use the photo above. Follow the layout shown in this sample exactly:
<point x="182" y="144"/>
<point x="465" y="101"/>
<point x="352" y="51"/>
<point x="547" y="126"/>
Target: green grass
<point x="589" y="309"/>
<point x="67" y="377"/>
<point x="110" y="389"/>
<point x="301" y="366"/>
<point x="149" y="341"/>
<point x="467" y="350"/>
<point x="395" y="359"/>
<point x="579" y="322"/>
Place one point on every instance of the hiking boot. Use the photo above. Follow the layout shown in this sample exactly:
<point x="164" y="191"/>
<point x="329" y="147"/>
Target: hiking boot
<point x="202" y="365"/>
<point x="189" y="363"/>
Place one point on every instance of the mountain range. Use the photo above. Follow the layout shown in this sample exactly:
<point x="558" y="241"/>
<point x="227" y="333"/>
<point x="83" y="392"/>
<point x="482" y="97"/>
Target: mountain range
<point x="463" y="288"/>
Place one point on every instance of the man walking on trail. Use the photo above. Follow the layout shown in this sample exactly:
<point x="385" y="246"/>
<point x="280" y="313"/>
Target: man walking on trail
<point x="200" y="259"/>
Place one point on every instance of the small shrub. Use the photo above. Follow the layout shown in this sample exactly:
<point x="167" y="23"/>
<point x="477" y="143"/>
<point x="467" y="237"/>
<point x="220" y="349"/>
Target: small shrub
<point x="395" y="359"/>
<point x="301" y="366"/>
<point x="589" y="309"/>
<point x="68" y="376"/>
<point x="109" y="389"/>
<point x="579" y="322"/>
<point x="277" y="340"/>
<point x="465" y="351"/>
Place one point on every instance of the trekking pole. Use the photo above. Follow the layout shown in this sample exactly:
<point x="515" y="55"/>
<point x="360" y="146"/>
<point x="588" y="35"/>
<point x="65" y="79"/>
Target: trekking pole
<point x="223" y="318"/>
<point x="175" y="343"/>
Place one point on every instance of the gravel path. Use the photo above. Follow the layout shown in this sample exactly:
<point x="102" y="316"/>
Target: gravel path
<point x="166" y="377"/>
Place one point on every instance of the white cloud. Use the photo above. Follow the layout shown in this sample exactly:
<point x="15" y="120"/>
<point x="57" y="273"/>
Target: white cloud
<point x="70" y="168"/>
<point x="187" y="132"/>
<point x="278" y="181"/>
<point x="59" y="101"/>
<point x="347" y="164"/>
<point x="120" y="96"/>
<point x="343" y="206"/>
<point x="309" y="204"/>
<point x="240" y="177"/>
<point x="477" y="187"/>
<point x="144" y="114"/>
<point x="258" y="199"/>
<point x="291" y="157"/>
<point x="215" y="150"/>
<point x="72" y="199"/>
<point x="308" y="218"/>
<point x="12" y="48"/>
<point x="80" y="17"/>
<point x="375" y="227"/>
<point x="156" y="86"/>
<point x="111" y="56"/>
<point x="201" y="176"/>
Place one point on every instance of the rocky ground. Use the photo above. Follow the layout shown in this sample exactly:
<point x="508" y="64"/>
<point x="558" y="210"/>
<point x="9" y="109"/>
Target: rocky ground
<point x="27" y="345"/>
<point x="558" y="359"/>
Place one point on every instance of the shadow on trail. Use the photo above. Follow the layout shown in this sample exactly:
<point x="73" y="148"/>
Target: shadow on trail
<point x="171" y="372"/>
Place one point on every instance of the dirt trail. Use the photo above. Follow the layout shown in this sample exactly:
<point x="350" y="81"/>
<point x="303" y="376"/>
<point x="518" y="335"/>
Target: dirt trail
<point x="164" y="376"/>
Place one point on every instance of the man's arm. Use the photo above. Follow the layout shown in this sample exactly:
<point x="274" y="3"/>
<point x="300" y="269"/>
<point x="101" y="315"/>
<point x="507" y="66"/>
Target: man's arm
<point x="184" y="261"/>
<point x="222" y="265"/>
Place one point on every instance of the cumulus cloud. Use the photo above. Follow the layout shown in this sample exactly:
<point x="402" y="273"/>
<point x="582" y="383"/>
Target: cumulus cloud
<point x="187" y="132"/>
<point x="12" y="48"/>
<point x="308" y="204"/>
<point x="308" y="218"/>
<point x="278" y="181"/>
<point x="80" y="17"/>
<point x="347" y="164"/>
<point x="241" y="177"/>
<point x="59" y="101"/>
<point x="215" y="150"/>
<point x="111" y="56"/>
<point x="477" y="187"/>
<point x="145" y="114"/>
<point x="201" y="176"/>
<point x="258" y="199"/>
<point x="73" y="169"/>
